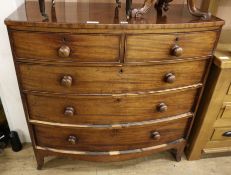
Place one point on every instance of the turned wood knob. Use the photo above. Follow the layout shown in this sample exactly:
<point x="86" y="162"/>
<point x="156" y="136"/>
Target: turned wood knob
<point x="177" y="51"/>
<point x="162" y="107"/>
<point x="66" y="81"/>
<point x="170" y="78"/>
<point x="69" y="111"/>
<point x="156" y="135"/>
<point x="72" y="140"/>
<point x="64" y="51"/>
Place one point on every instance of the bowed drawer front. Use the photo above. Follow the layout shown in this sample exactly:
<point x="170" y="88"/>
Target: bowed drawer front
<point x="110" y="109"/>
<point x="109" y="80"/>
<point x="109" y="138"/>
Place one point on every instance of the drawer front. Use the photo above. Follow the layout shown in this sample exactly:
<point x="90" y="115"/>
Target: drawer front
<point x="109" y="110"/>
<point x="110" y="139"/>
<point x="154" y="47"/>
<point x="106" y="80"/>
<point x="222" y="134"/>
<point x="227" y="112"/>
<point x="66" y="47"/>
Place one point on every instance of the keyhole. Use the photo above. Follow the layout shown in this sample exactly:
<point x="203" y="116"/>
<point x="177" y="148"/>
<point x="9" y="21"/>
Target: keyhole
<point x="64" y="39"/>
<point x="118" y="100"/>
<point x="121" y="71"/>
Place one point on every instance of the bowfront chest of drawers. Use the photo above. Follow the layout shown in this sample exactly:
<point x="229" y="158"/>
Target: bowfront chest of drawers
<point x="110" y="91"/>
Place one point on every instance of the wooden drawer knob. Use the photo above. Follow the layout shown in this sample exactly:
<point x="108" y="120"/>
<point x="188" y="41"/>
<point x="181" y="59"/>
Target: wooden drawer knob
<point x="177" y="51"/>
<point x="170" y="78"/>
<point x="156" y="135"/>
<point x="162" y="107"/>
<point x="66" y="81"/>
<point x="69" y="111"/>
<point x="227" y="134"/>
<point x="72" y="140"/>
<point x="64" y="51"/>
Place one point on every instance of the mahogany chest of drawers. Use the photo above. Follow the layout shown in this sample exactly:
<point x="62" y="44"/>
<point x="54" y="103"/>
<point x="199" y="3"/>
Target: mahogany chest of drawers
<point x="110" y="91"/>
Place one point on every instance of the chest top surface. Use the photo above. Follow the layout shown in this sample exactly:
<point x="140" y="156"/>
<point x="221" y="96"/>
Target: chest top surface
<point x="104" y="15"/>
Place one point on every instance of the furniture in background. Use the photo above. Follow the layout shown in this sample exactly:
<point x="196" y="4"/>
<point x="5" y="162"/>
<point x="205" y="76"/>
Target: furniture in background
<point x="212" y="132"/>
<point x="100" y="89"/>
<point x="147" y="5"/>
<point x="212" y="129"/>
<point x="4" y="129"/>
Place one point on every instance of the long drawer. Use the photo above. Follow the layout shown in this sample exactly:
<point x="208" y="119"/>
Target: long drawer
<point x="67" y="47"/>
<point x="109" y="109"/>
<point x="110" y="139"/>
<point x="156" y="47"/>
<point x="106" y="80"/>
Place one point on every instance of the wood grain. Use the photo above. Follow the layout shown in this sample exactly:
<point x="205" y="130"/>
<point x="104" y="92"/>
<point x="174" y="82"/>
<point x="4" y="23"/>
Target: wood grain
<point x="109" y="109"/>
<point x="109" y="80"/>
<point x="83" y="48"/>
<point x="98" y="139"/>
<point x="150" y="47"/>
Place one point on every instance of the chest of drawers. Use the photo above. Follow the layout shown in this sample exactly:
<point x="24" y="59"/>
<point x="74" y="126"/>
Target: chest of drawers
<point x="110" y="91"/>
<point x="212" y="130"/>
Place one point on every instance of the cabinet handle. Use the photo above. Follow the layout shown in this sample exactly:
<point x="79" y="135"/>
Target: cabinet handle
<point x="170" y="78"/>
<point x="177" y="51"/>
<point x="72" y="140"/>
<point x="64" y="51"/>
<point x="66" y="81"/>
<point x="69" y="111"/>
<point x="162" y="107"/>
<point x="227" y="134"/>
<point x="156" y="135"/>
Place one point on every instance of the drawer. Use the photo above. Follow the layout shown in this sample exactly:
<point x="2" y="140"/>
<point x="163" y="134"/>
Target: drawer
<point x="67" y="47"/>
<point x="221" y="134"/>
<point x="226" y="113"/>
<point x="108" y="109"/>
<point x="108" y="138"/>
<point x="107" y="80"/>
<point x="156" y="47"/>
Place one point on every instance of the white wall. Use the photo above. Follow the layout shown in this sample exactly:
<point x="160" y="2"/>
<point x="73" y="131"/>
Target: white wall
<point x="9" y="91"/>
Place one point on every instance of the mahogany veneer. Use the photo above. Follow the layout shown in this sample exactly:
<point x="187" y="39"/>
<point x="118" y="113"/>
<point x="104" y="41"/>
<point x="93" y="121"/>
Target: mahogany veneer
<point x="110" y="91"/>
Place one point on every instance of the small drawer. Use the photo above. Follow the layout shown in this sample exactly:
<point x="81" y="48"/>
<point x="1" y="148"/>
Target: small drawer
<point x="110" y="80"/>
<point x="221" y="134"/>
<point x="110" y="138"/>
<point x="156" y="47"/>
<point x="109" y="109"/>
<point x="227" y="112"/>
<point x="67" y="47"/>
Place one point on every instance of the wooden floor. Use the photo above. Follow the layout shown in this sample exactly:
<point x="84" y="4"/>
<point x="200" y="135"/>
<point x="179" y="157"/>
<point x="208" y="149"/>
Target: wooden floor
<point x="23" y="163"/>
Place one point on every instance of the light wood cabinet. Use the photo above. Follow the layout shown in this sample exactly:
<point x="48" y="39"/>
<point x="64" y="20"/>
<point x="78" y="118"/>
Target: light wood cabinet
<point x="212" y="129"/>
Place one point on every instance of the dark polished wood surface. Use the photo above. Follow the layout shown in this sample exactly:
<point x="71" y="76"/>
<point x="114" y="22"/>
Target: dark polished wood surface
<point x="76" y="14"/>
<point x="114" y="90"/>
<point x="110" y="139"/>
<point x="109" y="109"/>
